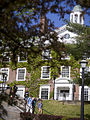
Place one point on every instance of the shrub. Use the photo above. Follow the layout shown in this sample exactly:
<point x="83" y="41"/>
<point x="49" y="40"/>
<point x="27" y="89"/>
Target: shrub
<point x="29" y="116"/>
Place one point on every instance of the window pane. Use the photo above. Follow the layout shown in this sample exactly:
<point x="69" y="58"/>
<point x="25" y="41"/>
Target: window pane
<point x="45" y="72"/>
<point x="21" y="74"/>
<point x="65" y="72"/>
<point x="44" y="93"/>
<point x="86" y="94"/>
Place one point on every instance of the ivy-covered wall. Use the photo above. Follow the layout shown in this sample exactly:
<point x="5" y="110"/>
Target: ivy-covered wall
<point x="33" y="66"/>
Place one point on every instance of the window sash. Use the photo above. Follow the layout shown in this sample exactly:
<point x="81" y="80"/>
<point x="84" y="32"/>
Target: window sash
<point x="85" y="94"/>
<point x="65" y="72"/>
<point x="45" y="72"/>
<point x="21" y="74"/>
<point x="44" y="93"/>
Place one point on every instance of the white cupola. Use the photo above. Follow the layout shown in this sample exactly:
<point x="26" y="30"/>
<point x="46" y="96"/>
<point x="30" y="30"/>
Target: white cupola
<point x="76" y="15"/>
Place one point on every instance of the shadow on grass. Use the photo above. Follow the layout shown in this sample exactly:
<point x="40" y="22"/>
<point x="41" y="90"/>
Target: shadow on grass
<point x="87" y="116"/>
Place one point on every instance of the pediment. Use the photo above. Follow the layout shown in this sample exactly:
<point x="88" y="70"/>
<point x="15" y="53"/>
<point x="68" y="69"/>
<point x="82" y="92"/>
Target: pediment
<point x="62" y="80"/>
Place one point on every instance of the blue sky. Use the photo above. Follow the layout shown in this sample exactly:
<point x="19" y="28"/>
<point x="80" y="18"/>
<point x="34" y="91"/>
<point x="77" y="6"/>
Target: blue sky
<point x="59" y="22"/>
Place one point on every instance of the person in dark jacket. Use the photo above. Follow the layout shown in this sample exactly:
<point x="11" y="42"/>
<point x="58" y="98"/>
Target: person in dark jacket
<point x="33" y="105"/>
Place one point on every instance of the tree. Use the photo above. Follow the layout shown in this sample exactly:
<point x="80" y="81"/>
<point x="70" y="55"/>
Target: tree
<point x="82" y="46"/>
<point x="19" y="24"/>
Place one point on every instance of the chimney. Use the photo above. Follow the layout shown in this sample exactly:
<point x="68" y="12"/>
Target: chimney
<point x="43" y="24"/>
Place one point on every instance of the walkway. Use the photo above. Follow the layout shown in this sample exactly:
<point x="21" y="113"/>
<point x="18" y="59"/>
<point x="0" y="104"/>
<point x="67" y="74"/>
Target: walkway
<point x="13" y="113"/>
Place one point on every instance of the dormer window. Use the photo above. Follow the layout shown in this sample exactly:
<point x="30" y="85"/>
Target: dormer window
<point x="46" y="54"/>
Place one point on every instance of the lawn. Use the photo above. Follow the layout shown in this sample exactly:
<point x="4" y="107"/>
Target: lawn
<point x="67" y="109"/>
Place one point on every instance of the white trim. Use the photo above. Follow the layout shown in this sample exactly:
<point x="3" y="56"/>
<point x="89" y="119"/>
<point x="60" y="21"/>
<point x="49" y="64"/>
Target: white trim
<point x="42" y="72"/>
<point x="88" y="92"/>
<point x="63" y="87"/>
<point x="21" y="60"/>
<point x="24" y="75"/>
<point x="44" y="86"/>
<point x="69" y="71"/>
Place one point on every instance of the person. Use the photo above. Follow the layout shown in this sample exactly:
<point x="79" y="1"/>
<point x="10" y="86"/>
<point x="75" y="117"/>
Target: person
<point x="40" y="105"/>
<point x="29" y="104"/>
<point x="33" y="105"/>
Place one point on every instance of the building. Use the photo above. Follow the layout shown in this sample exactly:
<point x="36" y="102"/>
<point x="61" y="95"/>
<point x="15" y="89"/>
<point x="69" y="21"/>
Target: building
<point x="62" y="87"/>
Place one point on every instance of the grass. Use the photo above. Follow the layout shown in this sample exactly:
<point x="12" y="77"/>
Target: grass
<point x="67" y="109"/>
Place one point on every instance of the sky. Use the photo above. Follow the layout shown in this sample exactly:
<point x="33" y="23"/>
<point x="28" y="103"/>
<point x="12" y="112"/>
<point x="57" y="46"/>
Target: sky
<point x="60" y="22"/>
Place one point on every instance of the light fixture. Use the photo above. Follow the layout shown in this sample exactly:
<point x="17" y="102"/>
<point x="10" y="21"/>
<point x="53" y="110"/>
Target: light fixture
<point x="83" y="63"/>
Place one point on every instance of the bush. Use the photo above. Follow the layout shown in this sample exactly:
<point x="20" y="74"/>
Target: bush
<point x="29" y="116"/>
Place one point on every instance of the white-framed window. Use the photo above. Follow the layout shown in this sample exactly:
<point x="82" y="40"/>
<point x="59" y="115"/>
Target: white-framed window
<point x="85" y="94"/>
<point x="65" y="71"/>
<point x="6" y="71"/>
<point x="22" y="58"/>
<point x="21" y="74"/>
<point x="44" y="92"/>
<point x="46" y="54"/>
<point x="45" y="72"/>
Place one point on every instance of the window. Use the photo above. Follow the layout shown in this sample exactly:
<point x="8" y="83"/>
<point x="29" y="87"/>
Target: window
<point x="4" y="70"/>
<point x="85" y="94"/>
<point x="46" y="54"/>
<point x="45" y="72"/>
<point x="44" y="92"/>
<point x="21" y="74"/>
<point x="65" y="71"/>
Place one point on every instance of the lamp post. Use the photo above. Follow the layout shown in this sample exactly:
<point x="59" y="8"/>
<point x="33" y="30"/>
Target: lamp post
<point x="83" y="66"/>
<point x="54" y="77"/>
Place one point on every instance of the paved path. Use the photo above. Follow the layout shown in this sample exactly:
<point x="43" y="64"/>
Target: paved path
<point x="13" y="113"/>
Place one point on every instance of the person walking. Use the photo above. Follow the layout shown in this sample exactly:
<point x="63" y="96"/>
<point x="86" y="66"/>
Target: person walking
<point x="29" y="104"/>
<point x="33" y="105"/>
<point x="40" y="106"/>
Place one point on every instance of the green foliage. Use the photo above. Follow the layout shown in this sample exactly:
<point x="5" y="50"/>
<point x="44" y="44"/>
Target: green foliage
<point x="82" y="47"/>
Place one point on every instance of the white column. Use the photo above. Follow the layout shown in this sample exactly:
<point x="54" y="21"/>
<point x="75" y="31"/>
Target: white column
<point x="78" y="20"/>
<point x="55" y="92"/>
<point x="82" y="19"/>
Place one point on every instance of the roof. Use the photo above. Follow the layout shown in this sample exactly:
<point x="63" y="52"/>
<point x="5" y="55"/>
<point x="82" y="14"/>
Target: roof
<point x="77" y="8"/>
